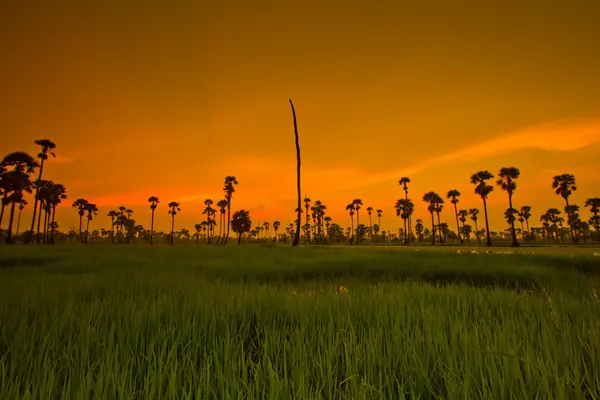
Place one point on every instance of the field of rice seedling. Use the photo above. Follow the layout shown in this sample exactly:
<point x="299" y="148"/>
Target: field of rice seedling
<point x="271" y="322"/>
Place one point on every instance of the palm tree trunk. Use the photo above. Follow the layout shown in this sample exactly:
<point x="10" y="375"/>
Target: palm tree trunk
<point x="52" y="224"/>
<point x="152" y="227"/>
<point x="35" y="204"/>
<point x="2" y="211"/>
<point x="357" y="228"/>
<point x="477" y="231"/>
<point x="487" y="226"/>
<point x="18" y="221"/>
<point x="87" y="229"/>
<point x="172" y="229"/>
<point x="80" y="232"/>
<point x="515" y="243"/>
<point x="239" y="239"/>
<point x="228" y="220"/>
<point x="45" y="224"/>
<point x="432" y="229"/>
<point x="457" y="225"/>
<point x="299" y="216"/>
<point x="405" y="231"/>
<point x="570" y="224"/>
<point x="440" y="228"/>
<point x="10" y="223"/>
<point x="39" y="220"/>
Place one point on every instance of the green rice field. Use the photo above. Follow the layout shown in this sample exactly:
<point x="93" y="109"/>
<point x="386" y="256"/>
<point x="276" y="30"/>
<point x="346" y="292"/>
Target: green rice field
<point x="273" y="322"/>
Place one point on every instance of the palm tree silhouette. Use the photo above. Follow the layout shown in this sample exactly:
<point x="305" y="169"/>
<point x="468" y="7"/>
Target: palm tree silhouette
<point x="80" y="205"/>
<point x="453" y="196"/>
<point x="479" y="179"/>
<point x="462" y="217"/>
<point x="510" y="215"/>
<point x="222" y="205"/>
<point x="198" y="227"/>
<point x="438" y="209"/>
<point x="473" y="213"/>
<point x="357" y="204"/>
<point x="153" y="200"/>
<point x="404" y="181"/>
<point x="433" y="199"/>
<point x="113" y="214"/>
<point x="173" y="210"/>
<point x="276" y="225"/>
<point x="209" y="211"/>
<point x="350" y="209"/>
<point x="402" y="212"/>
<point x="506" y="180"/>
<point x="307" y="207"/>
<point x="91" y="210"/>
<point x="594" y="204"/>
<point x="299" y="208"/>
<point x="563" y="186"/>
<point x="22" y="205"/>
<point x="229" y="189"/>
<point x="58" y="193"/>
<point x="47" y="147"/>
<point x="370" y="211"/>
<point x="241" y="223"/>
<point x="379" y="212"/>
<point x="525" y="213"/>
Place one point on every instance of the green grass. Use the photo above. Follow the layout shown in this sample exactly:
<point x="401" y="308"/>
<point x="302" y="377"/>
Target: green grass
<point x="256" y="322"/>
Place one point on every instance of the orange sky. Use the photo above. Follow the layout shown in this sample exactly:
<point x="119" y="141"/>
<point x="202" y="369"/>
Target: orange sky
<point x="167" y="98"/>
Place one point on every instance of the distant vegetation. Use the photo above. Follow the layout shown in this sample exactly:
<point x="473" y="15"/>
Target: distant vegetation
<point x="22" y="183"/>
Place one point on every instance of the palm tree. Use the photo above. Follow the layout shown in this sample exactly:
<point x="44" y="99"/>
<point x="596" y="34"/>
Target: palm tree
<point x="350" y="209"/>
<point x="198" y="227"/>
<point x="153" y="200"/>
<point x="370" y="211"/>
<point x="525" y="212"/>
<point x="357" y="204"/>
<point x="241" y="223"/>
<point x="433" y="199"/>
<point x="462" y="217"/>
<point x="17" y="181"/>
<point x="379" y="212"/>
<point x="402" y="212"/>
<point x="307" y="207"/>
<point x="173" y="210"/>
<point x="510" y="215"/>
<point x="113" y="214"/>
<point x="57" y="195"/>
<point x="80" y="204"/>
<point x="438" y="209"/>
<point x="91" y="210"/>
<point x="479" y="179"/>
<point x="552" y="215"/>
<point x="404" y="181"/>
<point x="594" y="204"/>
<point x="209" y="211"/>
<point x="563" y="186"/>
<point x="299" y="208"/>
<point x="229" y="189"/>
<point x="222" y="205"/>
<point x="42" y="193"/>
<point x="506" y="180"/>
<point x="473" y="213"/>
<point x="276" y="225"/>
<point x="47" y="147"/>
<point x="453" y="195"/>
<point x="22" y="205"/>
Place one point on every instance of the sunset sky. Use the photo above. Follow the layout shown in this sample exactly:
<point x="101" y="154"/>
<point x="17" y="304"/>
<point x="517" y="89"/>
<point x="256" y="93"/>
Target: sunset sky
<point x="166" y="98"/>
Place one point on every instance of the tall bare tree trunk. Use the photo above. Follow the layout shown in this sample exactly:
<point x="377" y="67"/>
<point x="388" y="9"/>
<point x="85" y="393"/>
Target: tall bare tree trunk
<point x="299" y="217"/>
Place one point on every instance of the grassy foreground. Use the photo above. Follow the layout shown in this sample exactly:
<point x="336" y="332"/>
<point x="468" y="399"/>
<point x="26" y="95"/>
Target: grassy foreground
<point x="113" y="322"/>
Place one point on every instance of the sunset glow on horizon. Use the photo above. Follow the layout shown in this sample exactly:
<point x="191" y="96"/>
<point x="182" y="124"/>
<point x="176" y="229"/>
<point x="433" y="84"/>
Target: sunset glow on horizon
<point x="167" y="99"/>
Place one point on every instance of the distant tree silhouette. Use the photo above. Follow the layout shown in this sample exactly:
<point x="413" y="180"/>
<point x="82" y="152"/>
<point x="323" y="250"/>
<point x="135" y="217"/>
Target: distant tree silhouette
<point x="47" y="146"/>
<point x="525" y="213"/>
<point x="370" y="211"/>
<point x="241" y="223"/>
<point x="433" y="199"/>
<point x="42" y="189"/>
<point x="307" y="207"/>
<point x="229" y="189"/>
<point x="594" y="204"/>
<point x="58" y="193"/>
<point x="173" y="210"/>
<point x="91" y="210"/>
<point x="474" y="213"/>
<point x="507" y="181"/>
<point x="404" y="181"/>
<point x="276" y="225"/>
<point x="563" y="186"/>
<point x="357" y="204"/>
<point x="209" y="211"/>
<point x="453" y="196"/>
<point x="299" y="207"/>
<point x="462" y="217"/>
<point x="198" y="227"/>
<point x="379" y="213"/>
<point x="113" y="214"/>
<point x="350" y="209"/>
<point x="510" y="215"/>
<point x="153" y="200"/>
<point x="419" y="229"/>
<point x="479" y="179"/>
<point x="439" y="206"/>
<point x="80" y="205"/>
<point x="402" y="211"/>
<point x="222" y="205"/>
